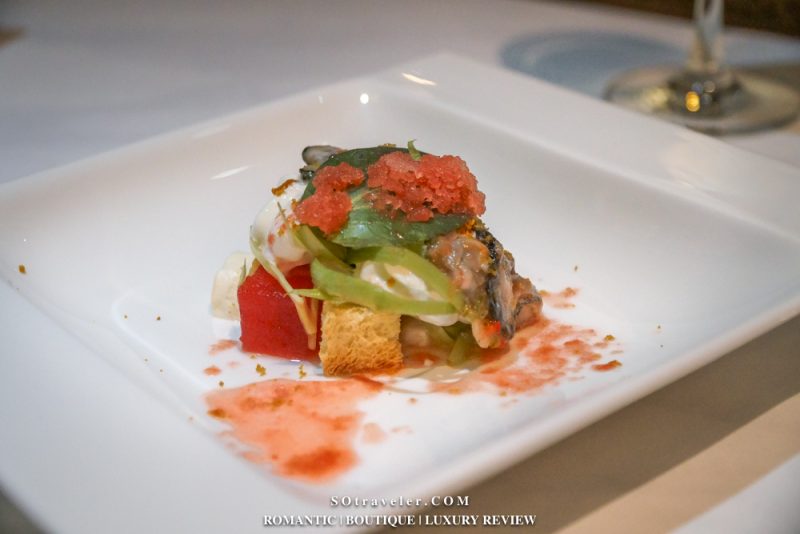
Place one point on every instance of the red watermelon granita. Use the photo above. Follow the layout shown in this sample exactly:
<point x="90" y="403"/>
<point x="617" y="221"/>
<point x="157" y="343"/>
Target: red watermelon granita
<point x="421" y="188"/>
<point x="329" y="207"/>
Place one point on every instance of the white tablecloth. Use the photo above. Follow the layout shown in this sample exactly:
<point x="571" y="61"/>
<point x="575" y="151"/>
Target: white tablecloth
<point x="716" y="451"/>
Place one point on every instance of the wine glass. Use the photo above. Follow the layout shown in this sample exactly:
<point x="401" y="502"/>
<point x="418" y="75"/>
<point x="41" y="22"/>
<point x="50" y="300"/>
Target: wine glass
<point x="705" y="94"/>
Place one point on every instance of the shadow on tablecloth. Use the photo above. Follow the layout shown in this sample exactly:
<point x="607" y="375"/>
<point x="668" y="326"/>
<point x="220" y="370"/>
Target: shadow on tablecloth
<point x="13" y="520"/>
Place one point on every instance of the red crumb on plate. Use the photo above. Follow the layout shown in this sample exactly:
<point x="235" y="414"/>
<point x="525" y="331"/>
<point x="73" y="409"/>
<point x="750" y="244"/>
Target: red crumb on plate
<point x="373" y="433"/>
<point x="212" y="371"/>
<point x="613" y="364"/>
<point x="281" y="189"/>
<point x="221" y="345"/>
<point x="562" y="299"/>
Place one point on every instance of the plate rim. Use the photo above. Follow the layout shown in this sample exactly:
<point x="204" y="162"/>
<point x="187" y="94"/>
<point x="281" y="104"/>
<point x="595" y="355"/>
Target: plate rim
<point x="482" y="462"/>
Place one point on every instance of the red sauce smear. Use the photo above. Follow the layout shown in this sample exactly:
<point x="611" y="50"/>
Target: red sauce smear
<point x="373" y="433"/>
<point x="221" y="345"/>
<point x="562" y="299"/>
<point x="606" y="341"/>
<point x="212" y="371"/>
<point x="539" y="355"/>
<point x="305" y="430"/>
<point x="613" y="364"/>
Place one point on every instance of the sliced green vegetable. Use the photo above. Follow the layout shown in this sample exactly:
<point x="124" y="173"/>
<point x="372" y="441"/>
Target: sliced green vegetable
<point x="313" y="294"/>
<point x="415" y="154"/>
<point x="349" y="288"/>
<point x="463" y="349"/>
<point x="438" y="336"/>
<point x="337" y="250"/>
<point x="434" y="279"/>
<point x="319" y="247"/>
<point x="368" y="228"/>
<point x="455" y="329"/>
<point x="242" y="273"/>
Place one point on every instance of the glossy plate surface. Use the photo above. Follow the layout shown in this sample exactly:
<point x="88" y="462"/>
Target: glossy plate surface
<point x="682" y="247"/>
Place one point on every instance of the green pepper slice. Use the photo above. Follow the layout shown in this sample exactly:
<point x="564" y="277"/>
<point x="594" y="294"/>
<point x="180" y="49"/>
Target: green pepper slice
<point x="463" y="349"/>
<point x="434" y="279"/>
<point x="319" y="247"/>
<point x="347" y="287"/>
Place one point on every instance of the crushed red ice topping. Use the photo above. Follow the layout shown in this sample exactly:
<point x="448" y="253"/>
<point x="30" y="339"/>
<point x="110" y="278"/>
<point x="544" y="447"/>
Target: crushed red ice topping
<point x="338" y="178"/>
<point x="329" y="206"/>
<point x="421" y="188"/>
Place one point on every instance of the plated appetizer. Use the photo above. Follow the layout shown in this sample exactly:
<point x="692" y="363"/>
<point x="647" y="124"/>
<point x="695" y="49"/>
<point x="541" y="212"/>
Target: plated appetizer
<point x="371" y="251"/>
<point x="371" y="260"/>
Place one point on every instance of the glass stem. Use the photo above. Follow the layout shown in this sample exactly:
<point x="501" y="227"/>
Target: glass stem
<point x="707" y="52"/>
<point x="705" y="93"/>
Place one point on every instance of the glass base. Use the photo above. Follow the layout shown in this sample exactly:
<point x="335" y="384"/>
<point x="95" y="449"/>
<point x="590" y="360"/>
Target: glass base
<point x="717" y="104"/>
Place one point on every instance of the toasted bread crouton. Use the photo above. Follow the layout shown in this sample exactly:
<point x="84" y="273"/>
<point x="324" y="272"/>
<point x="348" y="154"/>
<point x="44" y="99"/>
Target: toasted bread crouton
<point x="356" y="339"/>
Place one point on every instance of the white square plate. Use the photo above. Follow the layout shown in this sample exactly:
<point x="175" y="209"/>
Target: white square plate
<point x="686" y="248"/>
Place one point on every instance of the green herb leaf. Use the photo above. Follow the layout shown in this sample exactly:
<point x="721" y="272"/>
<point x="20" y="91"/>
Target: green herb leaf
<point x="369" y="228"/>
<point x="349" y="288"/>
<point x="312" y="294"/>
<point x="317" y="245"/>
<point x="413" y="152"/>
<point x="433" y="278"/>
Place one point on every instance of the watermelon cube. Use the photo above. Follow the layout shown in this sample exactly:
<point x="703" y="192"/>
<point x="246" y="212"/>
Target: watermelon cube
<point x="269" y="320"/>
